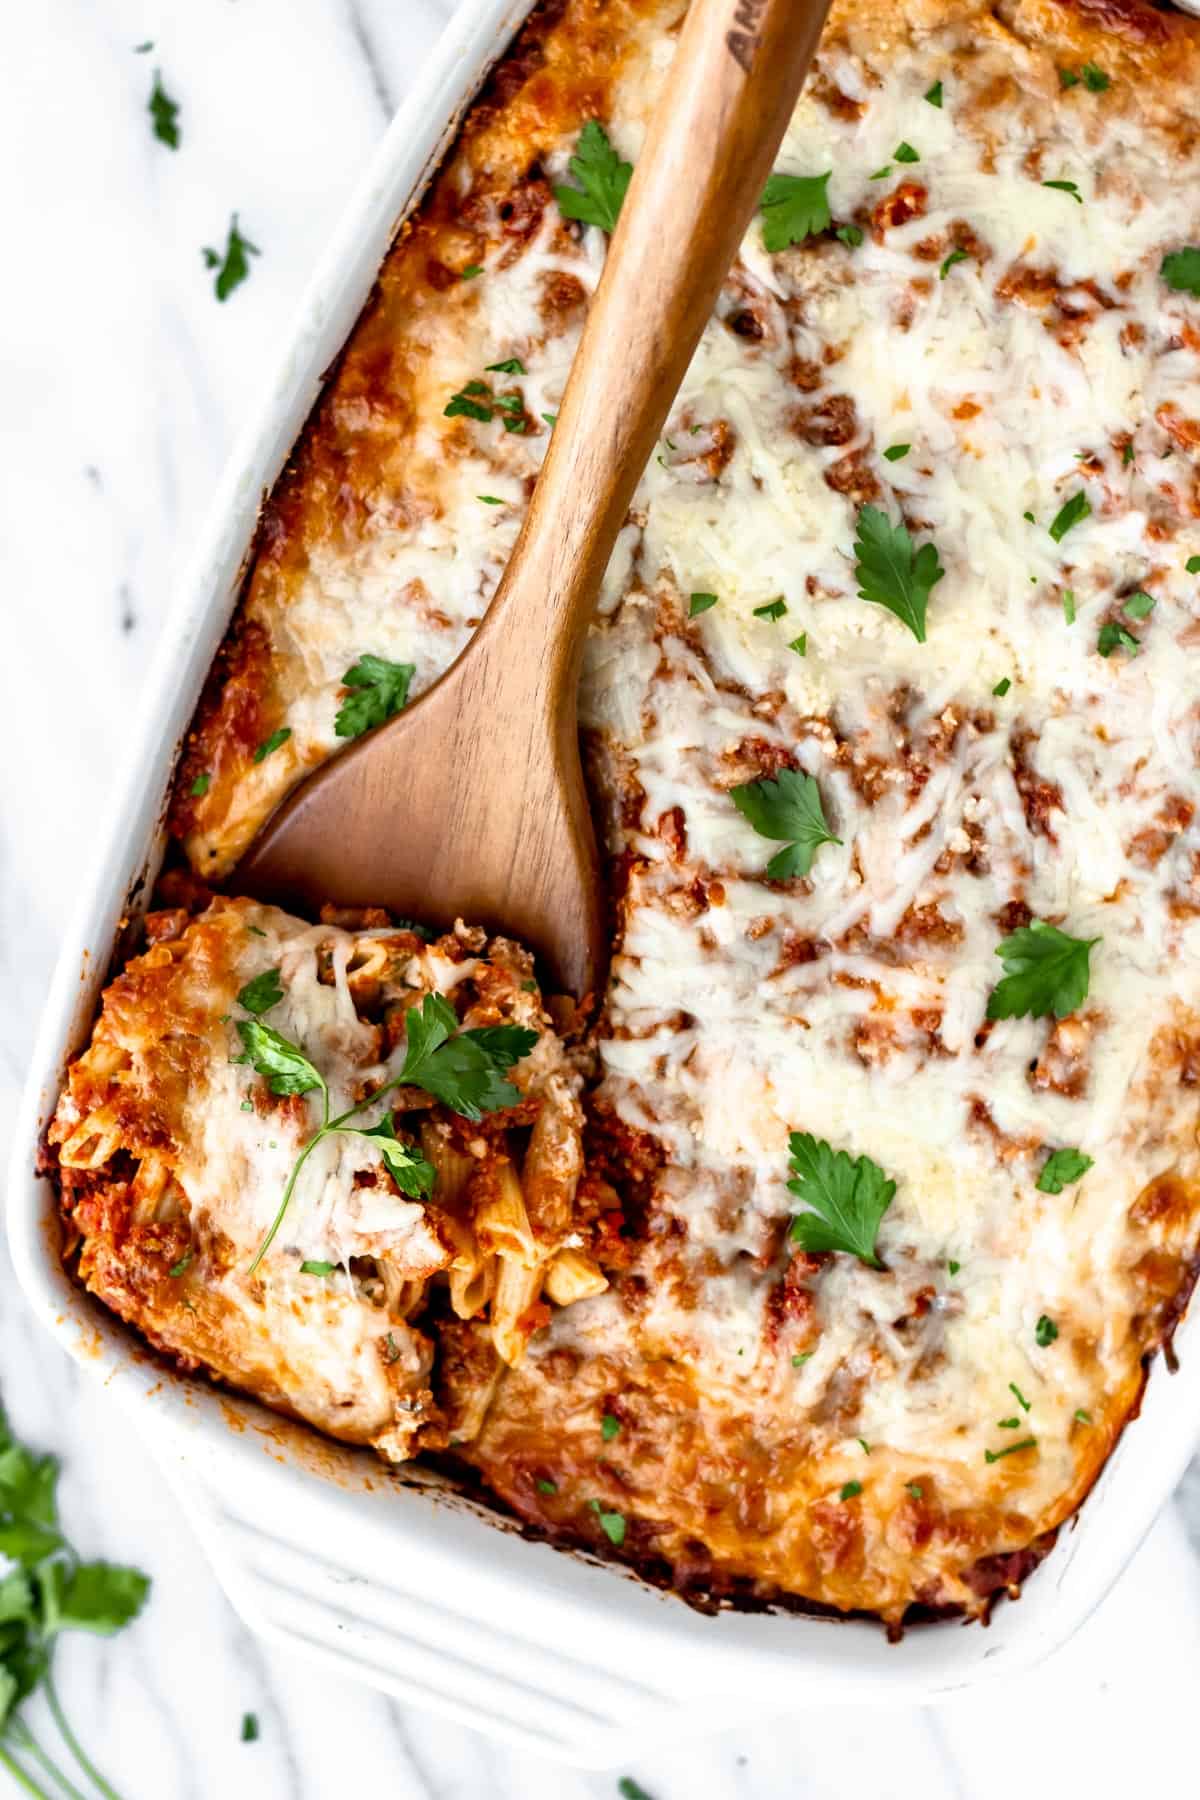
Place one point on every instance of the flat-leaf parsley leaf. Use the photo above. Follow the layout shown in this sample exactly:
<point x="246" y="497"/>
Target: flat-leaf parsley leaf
<point x="603" y="180"/>
<point x="788" y="809"/>
<point x="1045" y="971"/>
<point x="892" y="572"/>
<point x="1061" y="1168"/>
<point x="379" y="691"/>
<point x="794" y="207"/>
<point x="847" y="1199"/>
<point x="1181" y="270"/>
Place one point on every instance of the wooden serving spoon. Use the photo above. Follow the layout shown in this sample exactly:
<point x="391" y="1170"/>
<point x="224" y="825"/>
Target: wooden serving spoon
<point x="471" y="803"/>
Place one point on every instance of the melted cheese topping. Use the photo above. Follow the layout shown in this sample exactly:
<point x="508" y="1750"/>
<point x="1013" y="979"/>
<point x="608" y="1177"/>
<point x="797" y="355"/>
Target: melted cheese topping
<point x="1048" y="360"/>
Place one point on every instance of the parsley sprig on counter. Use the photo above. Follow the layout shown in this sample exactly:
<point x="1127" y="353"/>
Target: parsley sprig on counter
<point x="463" y="1069"/>
<point x="892" y="572"/>
<point x="787" y="809"/>
<point x="1045" y="971"/>
<point x="47" y="1590"/>
<point x="603" y="180"/>
<point x="847" y="1198"/>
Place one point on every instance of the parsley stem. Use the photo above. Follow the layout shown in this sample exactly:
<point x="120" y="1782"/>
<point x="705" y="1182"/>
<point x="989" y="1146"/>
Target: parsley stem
<point x="19" y="1775"/>
<point x="299" y="1163"/>
<point x="26" y="1740"/>
<point x="72" y="1742"/>
<point x="326" y="1129"/>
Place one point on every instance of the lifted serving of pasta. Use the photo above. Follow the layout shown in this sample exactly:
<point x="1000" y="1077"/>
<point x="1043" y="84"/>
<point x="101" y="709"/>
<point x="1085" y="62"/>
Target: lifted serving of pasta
<point x="281" y="1133"/>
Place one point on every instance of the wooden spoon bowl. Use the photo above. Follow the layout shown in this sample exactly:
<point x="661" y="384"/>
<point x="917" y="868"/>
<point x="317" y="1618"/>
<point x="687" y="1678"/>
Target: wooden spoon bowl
<point x="471" y="803"/>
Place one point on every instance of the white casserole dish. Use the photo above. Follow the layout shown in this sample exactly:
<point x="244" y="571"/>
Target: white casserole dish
<point x="398" y="1580"/>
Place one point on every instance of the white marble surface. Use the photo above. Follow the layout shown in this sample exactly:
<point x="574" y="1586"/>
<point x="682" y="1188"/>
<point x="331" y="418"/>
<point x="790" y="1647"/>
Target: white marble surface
<point x="123" y="382"/>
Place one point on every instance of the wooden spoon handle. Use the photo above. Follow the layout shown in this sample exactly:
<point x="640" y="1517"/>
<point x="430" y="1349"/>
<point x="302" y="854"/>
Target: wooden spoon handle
<point x="728" y="97"/>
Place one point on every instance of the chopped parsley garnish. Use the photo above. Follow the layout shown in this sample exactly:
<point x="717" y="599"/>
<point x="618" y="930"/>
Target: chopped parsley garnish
<point x="200" y="786"/>
<point x="866" y="1448"/>
<point x="512" y="365"/>
<point x="1069" y="513"/>
<point x="794" y="207"/>
<point x="249" y="1728"/>
<point x="232" y="265"/>
<point x="850" y="1490"/>
<point x="894" y="452"/>
<point x="700" y="603"/>
<point x="269" y="745"/>
<point x="603" y="180"/>
<point x="1138" y="606"/>
<point x="1066" y="187"/>
<point x="1127" y="455"/>
<point x="466" y="404"/>
<point x="1192" y="565"/>
<point x="1045" y="971"/>
<point x="262" y="993"/>
<point x="1094" y="78"/>
<point x="916" y="1491"/>
<point x="800" y="644"/>
<point x="786" y="808"/>
<point x="379" y="691"/>
<point x="953" y="1267"/>
<point x="955" y="256"/>
<point x="1030" y="517"/>
<point x="164" y="113"/>
<point x="1013" y="1424"/>
<point x="850" y="235"/>
<point x="892" y="572"/>
<point x="546" y="1487"/>
<point x="471" y="271"/>
<point x="317" y="1267"/>
<point x="1002" y="686"/>
<point x="47" y="1590"/>
<point x="1068" y="78"/>
<point x="1081" y="1416"/>
<point x="773" y="610"/>
<point x="1025" y="1405"/>
<point x="609" y="1427"/>
<point x="1044" y="1332"/>
<point x="992" y="1456"/>
<point x="801" y="1357"/>
<point x="1061" y="1169"/>
<point x="181" y="1267"/>
<point x="882" y="174"/>
<point x="612" y="1524"/>
<point x="934" y="94"/>
<point x="629" y="1789"/>
<point x="1068" y="605"/>
<point x="1115" y="637"/>
<point x="550" y="419"/>
<point x="490" y="499"/>
<point x="463" y="1069"/>
<point x="904" y="153"/>
<point x="1181" y="270"/>
<point x="847" y="1199"/>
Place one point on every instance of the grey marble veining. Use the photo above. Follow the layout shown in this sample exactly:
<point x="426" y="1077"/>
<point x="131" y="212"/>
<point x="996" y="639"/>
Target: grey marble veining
<point x="123" y="383"/>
